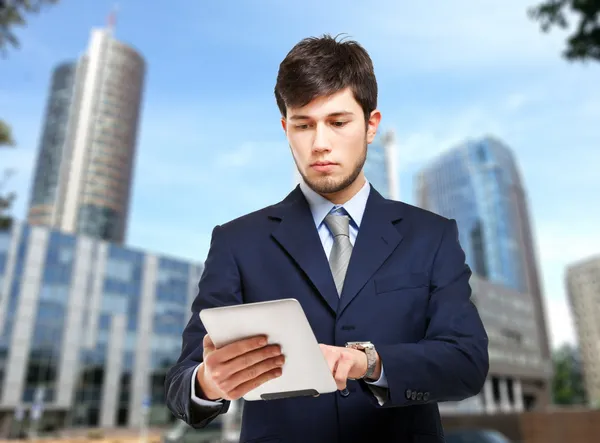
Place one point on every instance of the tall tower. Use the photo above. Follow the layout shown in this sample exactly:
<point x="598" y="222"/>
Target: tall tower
<point x="583" y="289"/>
<point x="478" y="184"/>
<point x="87" y="152"/>
<point x="381" y="166"/>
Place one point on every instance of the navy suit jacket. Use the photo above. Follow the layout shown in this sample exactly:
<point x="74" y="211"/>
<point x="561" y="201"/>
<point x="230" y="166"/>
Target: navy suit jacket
<point x="406" y="290"/>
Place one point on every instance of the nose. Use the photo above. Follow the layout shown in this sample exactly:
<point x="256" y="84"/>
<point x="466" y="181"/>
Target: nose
<point x="321" y="141"/>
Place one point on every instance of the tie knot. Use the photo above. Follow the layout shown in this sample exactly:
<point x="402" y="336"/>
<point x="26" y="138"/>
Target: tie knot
<point x="338" y="222"/>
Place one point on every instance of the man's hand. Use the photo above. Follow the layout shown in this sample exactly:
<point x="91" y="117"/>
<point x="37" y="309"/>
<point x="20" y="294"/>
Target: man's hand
<point x="347" y="363"/>
<point x="233" y="370"/>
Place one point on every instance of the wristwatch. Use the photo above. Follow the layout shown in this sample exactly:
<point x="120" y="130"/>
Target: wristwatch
<point x="369" y="349"/>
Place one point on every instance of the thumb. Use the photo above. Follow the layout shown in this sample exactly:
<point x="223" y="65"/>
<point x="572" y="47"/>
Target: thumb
<point x="208" y="344"/>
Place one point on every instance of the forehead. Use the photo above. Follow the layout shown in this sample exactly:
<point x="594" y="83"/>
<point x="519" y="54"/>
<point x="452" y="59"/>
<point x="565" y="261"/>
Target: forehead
<point x="341" y="101"/>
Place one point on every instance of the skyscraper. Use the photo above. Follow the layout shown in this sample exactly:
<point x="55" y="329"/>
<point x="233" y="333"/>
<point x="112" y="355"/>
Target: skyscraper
<point x="583" y="288"/>
<point x="84" y="171"/>
<point x="478" y="184"/>
<point x="380" y="167"/>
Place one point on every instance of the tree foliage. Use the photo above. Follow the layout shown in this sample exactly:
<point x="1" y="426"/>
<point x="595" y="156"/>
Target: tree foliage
<point x="583" y="44"/>
<point x="12" y="14"/>
<point x="568" y="386"/>
<point x="5" y="135"/>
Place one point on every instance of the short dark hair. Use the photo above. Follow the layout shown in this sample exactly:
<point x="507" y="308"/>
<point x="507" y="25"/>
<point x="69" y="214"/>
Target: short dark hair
<point x="321" y="66"/>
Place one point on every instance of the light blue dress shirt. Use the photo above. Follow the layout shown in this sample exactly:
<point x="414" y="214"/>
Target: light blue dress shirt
<point x="320" y="207"/>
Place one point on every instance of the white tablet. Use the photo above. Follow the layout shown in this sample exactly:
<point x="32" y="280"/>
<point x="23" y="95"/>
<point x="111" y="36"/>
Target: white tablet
<point x="305" y="371"/>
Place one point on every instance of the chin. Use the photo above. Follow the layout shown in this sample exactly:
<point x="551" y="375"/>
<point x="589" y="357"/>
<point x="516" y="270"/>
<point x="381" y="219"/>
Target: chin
<point x="325" y="184"/>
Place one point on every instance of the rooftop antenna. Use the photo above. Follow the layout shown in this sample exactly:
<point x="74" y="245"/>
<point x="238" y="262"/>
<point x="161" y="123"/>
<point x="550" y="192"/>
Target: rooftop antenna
<point x="111" y="20"/>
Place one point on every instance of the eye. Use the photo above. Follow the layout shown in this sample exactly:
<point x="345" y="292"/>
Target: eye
<point x="301" y="126"/>
<point x="339" y="124"/>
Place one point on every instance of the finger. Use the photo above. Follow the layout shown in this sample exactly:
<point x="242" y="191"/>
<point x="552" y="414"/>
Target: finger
<point x="208" y="344"/>
<point x="238" y="348"/>
<point x="244" y="388"/>
<point x="331" y="356"/>
<point x="249" y="374"/>
<point x="342" y="370"/>
<point x="249" y="359"/>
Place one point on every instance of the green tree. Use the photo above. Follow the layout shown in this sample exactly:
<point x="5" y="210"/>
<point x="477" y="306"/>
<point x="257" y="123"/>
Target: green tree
<point x="583" y="44"/>
<point x="13" y="14"/>
<point x="5" y="135"/>
<point x="567" y="385"/>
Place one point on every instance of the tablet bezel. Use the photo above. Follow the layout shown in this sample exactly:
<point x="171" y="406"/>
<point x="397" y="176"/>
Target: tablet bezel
<point x="305" y="371"/>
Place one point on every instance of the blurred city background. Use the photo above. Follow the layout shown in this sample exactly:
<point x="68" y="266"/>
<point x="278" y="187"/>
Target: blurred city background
<point x="127" y="132"/>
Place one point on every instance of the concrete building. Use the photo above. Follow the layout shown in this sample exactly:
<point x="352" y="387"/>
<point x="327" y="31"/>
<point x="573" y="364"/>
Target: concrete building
<point x="84" y="171"/>
<point x="88" y="329"/>
<point x="478" y="184"/>
<point x="519" y="371"/>
<point x="583" y="289"/>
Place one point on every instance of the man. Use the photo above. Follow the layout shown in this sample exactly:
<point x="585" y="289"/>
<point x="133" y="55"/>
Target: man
<point x="365" y="269"/>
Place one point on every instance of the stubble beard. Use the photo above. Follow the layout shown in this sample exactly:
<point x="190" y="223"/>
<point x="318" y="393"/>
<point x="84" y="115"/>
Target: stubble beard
<point x="332" y="185"/>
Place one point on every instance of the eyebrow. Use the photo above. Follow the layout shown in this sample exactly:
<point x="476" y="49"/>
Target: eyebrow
<point x="333" y="114"/>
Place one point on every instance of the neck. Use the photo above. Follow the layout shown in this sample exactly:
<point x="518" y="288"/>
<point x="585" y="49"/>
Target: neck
<point x="342" y="196"/>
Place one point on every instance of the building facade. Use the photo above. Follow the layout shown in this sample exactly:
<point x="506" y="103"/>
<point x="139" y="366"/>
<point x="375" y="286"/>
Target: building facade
<point x="88" y="329"/>
<point x="583" y="290"/>
<point x="478" y="184"/>
<point x="519" y="371"/>
<point x="87" y="151"/>
<point x="54" y="139"/>
<point x="380" y="167"/>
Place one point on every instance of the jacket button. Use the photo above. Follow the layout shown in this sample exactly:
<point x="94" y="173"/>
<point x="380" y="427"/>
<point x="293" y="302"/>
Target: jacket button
<point x="419" y="396"/>
<point x="345" y="392"/>
<point x="408" y="394"/>
<point x="426" y="396"/>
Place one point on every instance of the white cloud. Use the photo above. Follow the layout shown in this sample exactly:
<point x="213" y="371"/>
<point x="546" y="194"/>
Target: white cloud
<point x="563" y="242"/>
<point x="516" y="101"/>
<point x="560" y="322"/>
<point x="438" y="132"/>
<point x="560" y="244"/>
<point x="253" y="155"/>
<point x="461" y="35"/>
<point x="240" y="157"/>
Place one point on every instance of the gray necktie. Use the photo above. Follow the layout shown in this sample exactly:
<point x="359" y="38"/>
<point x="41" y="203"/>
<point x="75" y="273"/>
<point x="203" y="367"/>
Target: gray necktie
<point x="339" y="225"/>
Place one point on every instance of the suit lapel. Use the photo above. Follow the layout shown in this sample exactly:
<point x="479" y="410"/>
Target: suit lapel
<point x="377" y="239"/>
<point x="298" y="235"/>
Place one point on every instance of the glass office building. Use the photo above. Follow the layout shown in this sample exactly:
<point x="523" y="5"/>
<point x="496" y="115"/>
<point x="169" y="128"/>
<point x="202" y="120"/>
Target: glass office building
<point x="88" y="329"/>
<point x="53" y="143"/>
<point x="376" y="168"/>
<point x="478" y="184"/>
<point x="380" y="167"/>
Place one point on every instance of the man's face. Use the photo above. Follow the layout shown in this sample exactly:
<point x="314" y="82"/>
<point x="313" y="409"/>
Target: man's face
<point x="328" y="138"/>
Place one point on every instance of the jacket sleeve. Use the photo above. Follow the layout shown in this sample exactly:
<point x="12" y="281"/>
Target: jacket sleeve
<point x="219" y="286"/>
<point x="451" y="362"/>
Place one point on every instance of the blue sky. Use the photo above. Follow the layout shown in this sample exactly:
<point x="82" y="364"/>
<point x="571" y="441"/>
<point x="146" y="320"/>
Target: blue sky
<point x="211" y="146"/>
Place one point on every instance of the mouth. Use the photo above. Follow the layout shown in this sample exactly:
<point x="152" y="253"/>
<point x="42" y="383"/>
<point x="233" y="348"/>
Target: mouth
<point x="323" y="164"/>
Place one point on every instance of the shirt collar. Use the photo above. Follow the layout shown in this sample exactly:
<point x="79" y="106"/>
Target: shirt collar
<point x="320" y="206"/>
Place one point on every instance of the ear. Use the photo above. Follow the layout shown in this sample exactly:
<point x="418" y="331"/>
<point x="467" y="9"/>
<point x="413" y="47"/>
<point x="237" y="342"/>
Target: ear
<point x="372" y="125"/>
<point x="284" y="124"/>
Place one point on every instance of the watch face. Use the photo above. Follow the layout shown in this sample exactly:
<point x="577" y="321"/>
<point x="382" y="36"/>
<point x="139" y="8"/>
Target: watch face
<point x="360" y="344"/>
